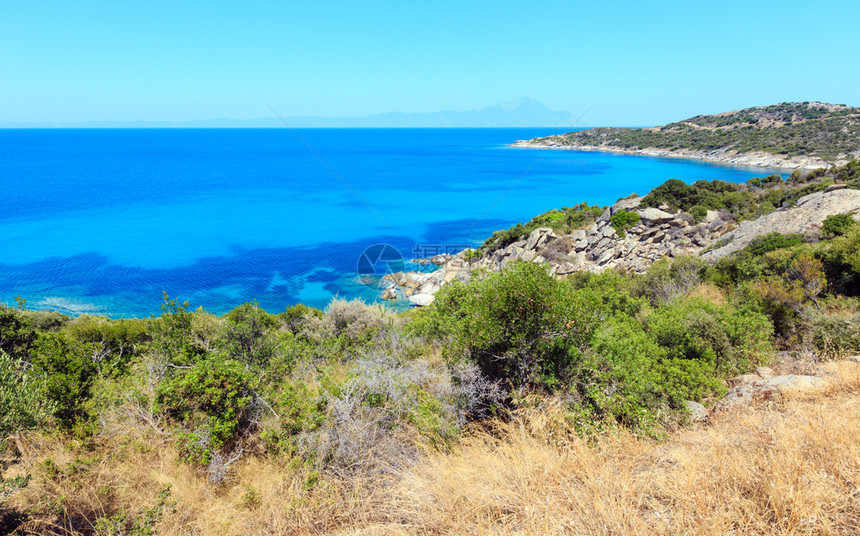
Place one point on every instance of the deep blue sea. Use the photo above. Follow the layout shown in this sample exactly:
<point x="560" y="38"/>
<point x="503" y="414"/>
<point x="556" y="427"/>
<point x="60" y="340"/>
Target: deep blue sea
<point x="104" y="221"/>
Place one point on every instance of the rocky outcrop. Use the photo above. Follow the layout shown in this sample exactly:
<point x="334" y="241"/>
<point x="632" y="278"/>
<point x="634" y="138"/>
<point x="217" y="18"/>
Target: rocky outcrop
<point x="658" y="234"/>
<point x="804" y="218"/>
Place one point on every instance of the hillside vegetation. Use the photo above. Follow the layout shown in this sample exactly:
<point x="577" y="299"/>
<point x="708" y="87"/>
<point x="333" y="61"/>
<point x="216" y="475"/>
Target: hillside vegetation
<point x="809" y="129"/>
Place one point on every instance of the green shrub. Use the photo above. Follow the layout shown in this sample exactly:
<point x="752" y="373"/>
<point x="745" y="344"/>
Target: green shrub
<point x="773" y="241"/>
<point x="295" y="316"/>
<point x="836" y="335"/>
<point x="617" y="377"/>
<point x="67" y="370"/>
<point x="669" y="279"/>
<point x="212" y="400"/>
<point x="117" y="341"/>
<point x="841" y="259"/>
<point x="623" y="220"/>
<point x="837" y="225"/>
<point x="16" y="332"/>
<point x="516" y="325"/>
<point x="21" y="406"/>
<point x="728" y="340"/>
<point x="247" y="334"/>
<point x="698" y="212"/>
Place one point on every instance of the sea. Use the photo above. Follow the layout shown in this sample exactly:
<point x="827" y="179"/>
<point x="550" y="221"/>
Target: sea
<point x="106" y="221"/>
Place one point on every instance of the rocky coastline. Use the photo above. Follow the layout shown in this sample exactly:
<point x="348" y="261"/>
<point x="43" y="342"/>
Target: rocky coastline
<point x="658" y="234"/>
<point x="719" y="156"/>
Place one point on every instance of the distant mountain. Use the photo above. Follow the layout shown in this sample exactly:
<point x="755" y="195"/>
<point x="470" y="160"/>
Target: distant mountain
<point x="522" y="112"/>
<point x="789" y="135"/>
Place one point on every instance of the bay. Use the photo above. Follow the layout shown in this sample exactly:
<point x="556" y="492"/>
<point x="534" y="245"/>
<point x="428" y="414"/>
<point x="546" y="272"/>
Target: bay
<point x="103" y="221"/>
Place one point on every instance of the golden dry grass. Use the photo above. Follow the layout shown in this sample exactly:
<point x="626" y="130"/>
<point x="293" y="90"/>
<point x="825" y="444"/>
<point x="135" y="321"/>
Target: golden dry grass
<point x="709" y="292"/>
<point x="790" y="467"/>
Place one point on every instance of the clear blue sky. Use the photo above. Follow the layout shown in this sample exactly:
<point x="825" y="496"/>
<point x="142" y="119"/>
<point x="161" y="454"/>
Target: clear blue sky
<point x="643" y="63"/>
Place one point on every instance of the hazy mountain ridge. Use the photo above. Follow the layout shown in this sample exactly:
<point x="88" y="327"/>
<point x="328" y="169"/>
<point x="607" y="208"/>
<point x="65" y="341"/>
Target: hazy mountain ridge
<point x="522" y="112"/>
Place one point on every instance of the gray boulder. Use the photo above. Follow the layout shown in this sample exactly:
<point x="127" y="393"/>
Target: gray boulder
<point x="654" y="215"/>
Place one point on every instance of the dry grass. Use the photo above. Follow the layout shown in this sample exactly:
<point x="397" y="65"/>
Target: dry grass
<point x="790" y="467"/>
<point x="709" y="292"/>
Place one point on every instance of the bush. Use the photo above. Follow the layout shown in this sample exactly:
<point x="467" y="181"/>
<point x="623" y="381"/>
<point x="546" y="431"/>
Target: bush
<point x="698" y="212"/>
<point x="21" y="405"/>
<point x="836" y="335"/>
<point x="212" y="401"/>
<point x="247" y="334"/>
<point x="837" y="225"/>
<point x="726" y="339"/>
<point x="16" y="332"/>
<point x="116" y="342"/>
<point x="623" y="220"/>
<point x="669" y="279"/>
<point x="515" y="325"/>
<point x="617" y="377"/>
<point x="351" y="322"/>
<point x="67" y="370"/>
<point x="841" y="258"/>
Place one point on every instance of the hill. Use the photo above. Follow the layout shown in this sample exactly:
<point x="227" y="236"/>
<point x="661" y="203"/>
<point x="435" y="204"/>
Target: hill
<point x="788" y="135"/>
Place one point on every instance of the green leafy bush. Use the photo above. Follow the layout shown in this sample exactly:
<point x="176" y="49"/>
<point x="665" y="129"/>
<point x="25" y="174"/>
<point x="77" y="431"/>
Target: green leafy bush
<point x="837" y="225"/>
<point x="21" y="406"/>
<point x="623" y="220"/>
<point x="728" y="340"/>
<point x="515" y="325"/>
<point x="17" y="333"/>
<point x="213" y="402"/>
<point x="248" y="336"/>
<point x="68" y="371"/>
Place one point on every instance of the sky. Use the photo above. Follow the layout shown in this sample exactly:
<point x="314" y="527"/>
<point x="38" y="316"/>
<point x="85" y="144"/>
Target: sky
<point x="627" y="63"/>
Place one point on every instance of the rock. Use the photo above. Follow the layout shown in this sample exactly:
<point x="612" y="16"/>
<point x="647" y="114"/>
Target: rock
<point x="578" y="235"/>
<point x="711" y="216"/>
<point x="528" y="255"/>
<point x="769" y="389"/>
<point x="795" y="381"/>
<point x="608" y="232"/>
<point x="765" y="372"/>
<point x="698" y="412"/>
<point x="565" y="268"/>
<point x="390" y="293"/>
<point x="628" y="204"/>
<point x="654" y="215"/>
<point x="834" y="187"/>
<point x="580" y="245"/>
<point x="743" y="378"/>
<point x="854" y="359"/>
<point x="538" y="236"/>
<point x="606" y="257"/>
<point x="421" y="300"/>
<point x="805" y="217"/>
<point x="605" y="216"/>
<point x="739" y="394"/>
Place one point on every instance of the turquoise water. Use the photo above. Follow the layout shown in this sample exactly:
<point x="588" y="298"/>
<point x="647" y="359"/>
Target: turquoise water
<point x="103" y="221"/>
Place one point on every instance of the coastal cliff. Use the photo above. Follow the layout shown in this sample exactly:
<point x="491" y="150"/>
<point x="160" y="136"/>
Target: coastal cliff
<point x="800" y="135"/>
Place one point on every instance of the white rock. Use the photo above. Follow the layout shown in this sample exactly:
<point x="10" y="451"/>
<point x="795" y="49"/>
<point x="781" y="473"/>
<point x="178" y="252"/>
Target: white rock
<point x="654" y="215"/>
<point x="421" y="300"/>
<point x="698" y="412"/>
